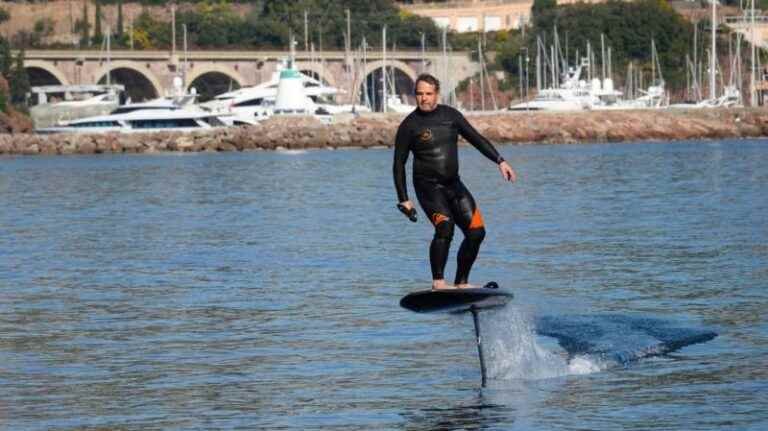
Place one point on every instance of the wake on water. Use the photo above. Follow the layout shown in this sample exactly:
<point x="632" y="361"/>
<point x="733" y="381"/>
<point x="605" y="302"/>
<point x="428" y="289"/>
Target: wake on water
<point x="590" y="343"/>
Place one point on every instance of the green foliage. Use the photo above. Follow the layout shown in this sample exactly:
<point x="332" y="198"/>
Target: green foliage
<point x="214" y="23"/>
<point x="628" y="27"/>
<point x="3" y="101"/>
<point x="42" y="29"/>
<point x="120" y="31"/>
<point x="19" y="80"/>
<point x="508" y="54"/>
<point x="151" y="33"/>
<point x="83" y="26"/>
<point x="98" y="35"/>
<point x="541" y="8"/>
<point x="6" y="60"/>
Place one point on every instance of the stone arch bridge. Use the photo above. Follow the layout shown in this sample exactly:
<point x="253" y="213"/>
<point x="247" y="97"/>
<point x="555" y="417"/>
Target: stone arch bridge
<point x="149" y="74"/>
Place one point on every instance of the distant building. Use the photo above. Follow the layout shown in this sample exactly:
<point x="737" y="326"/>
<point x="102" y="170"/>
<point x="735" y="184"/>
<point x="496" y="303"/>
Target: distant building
<point x="476" y="15"/>
<point x="473" y="15"/>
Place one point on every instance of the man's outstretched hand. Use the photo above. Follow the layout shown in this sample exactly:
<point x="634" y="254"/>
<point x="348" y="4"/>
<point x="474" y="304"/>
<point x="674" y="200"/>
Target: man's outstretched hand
<point x="507" y="172"/>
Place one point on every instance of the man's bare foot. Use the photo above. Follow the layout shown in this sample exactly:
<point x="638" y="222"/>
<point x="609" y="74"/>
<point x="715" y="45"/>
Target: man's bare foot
<point x="466" y="286"/>
<point x="441" y="285"/>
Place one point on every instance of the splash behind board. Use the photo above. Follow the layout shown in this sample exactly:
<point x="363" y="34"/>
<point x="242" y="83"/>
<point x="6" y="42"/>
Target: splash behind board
<point x="455" y="300"/>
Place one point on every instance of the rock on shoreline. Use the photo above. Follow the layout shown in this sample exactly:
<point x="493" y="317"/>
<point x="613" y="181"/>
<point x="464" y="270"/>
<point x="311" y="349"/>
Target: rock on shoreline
<point x="375" y="130"/>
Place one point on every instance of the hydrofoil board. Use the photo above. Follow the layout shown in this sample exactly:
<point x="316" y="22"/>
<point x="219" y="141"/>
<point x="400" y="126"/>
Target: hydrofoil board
<point x="456" y="300"/>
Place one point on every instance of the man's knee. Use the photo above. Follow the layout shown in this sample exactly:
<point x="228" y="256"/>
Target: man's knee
<point x="444" y="230"/>
<point x="476" y="235"/>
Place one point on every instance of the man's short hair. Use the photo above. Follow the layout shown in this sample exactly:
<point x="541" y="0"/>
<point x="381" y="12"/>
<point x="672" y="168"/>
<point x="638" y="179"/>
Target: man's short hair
<point x="429" y="79"/>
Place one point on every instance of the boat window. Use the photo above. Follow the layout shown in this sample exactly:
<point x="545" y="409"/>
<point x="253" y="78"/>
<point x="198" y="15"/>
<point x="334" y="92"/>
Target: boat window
<point x="250" y="102"/>
<point x="97" y="124"/>
<point x="214" y="121"/>
<point x="126" y="109"/>
<point x="162" y="123"/>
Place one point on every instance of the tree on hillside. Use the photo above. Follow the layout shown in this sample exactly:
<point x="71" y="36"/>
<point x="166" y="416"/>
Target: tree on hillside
<point x="628" y="27"/>
<point x="540" y="7"/>
<point x="270" y="22"/>
<point x="98" y="35"/>
<point x="4" y="15"/>
<point x="6" y="60"/>
<point x="83" y="27"/>
<point x="120" y="29"/>
<point x="3" y="101"/>
<point x="19" y="80"/>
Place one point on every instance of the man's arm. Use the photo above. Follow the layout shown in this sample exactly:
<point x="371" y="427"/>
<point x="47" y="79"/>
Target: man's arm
<point x="398" y="165"/>
<point x="484" y="146"/>
<point x="476" y="139"/>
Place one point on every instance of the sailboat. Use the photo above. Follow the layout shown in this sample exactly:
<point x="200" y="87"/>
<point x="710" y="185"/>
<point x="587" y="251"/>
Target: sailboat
<point x="392" y="101"/>
<point x="731" y="96"/>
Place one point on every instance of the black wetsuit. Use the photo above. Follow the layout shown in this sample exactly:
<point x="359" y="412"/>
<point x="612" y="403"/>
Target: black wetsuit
<point x="432" y="137"/>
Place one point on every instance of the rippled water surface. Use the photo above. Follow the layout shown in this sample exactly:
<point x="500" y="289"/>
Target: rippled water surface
<point x="260" y="291"/>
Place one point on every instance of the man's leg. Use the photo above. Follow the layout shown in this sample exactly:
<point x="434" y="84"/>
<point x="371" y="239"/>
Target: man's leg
<point x="435" y="205"/>
<point x="470" y="221"/>
<point x="439" y="248"/>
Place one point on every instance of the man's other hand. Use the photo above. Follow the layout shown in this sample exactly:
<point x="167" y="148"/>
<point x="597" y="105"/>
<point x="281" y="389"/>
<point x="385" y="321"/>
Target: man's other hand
<point x="507" y="172"/>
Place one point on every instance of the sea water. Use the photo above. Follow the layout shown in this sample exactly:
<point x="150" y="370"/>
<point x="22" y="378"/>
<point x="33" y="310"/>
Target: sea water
<point x="260" y="291"/>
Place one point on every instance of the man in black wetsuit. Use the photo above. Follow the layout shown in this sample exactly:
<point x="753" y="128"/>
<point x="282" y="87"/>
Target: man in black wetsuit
<point x="431" y="133"/>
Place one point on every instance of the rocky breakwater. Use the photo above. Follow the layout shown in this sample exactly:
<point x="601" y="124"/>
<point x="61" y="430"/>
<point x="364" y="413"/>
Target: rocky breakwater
<point x="624" y="125"/>
<point x="376" y="130"/>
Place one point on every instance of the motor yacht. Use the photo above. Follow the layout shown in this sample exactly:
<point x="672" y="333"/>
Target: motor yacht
<point x="256" y="103"/>
<point x="143" y="120"/>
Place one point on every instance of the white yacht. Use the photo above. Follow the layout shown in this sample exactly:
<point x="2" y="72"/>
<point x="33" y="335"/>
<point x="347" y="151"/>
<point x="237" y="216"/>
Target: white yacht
<point x="77" y="101"/>
<point x="249" y="104"/>
<point x="143" y="120"/>
<point x="574" y="94"/>
<point x="395" y="103"/>
<point x="731" y="98"/>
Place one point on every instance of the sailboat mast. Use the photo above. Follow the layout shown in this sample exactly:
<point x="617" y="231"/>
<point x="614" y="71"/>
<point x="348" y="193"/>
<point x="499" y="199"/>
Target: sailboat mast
<point x="186" y="59"/>
<point x="384" y="69"/>
<point x="713" y="54"/>
<point x="653" y="62"/>
<point x="423" y="53"/>
<point x="538" y="64"/>
<point x="602" y="53"/>
<point x="109" y="57"/>
<point x="753" y="71"/>
<point x="482" y="84"/>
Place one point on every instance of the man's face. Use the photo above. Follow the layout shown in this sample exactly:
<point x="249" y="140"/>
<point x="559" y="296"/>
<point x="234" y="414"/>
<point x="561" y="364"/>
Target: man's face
<point x="426" y="96"/>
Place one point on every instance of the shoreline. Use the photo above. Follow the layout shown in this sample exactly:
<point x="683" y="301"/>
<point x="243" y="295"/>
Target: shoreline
<point x="378" y="130"/>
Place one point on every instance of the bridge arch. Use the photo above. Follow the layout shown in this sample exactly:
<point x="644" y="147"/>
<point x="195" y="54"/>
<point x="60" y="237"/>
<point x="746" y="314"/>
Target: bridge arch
<point x="373" y="70"/>
<point x="318" y="71"/>
<point x="212" y="79"/>
<point x="135" y="67"/>
<point x="199" y="70"/>
<point x="48" y="67"/>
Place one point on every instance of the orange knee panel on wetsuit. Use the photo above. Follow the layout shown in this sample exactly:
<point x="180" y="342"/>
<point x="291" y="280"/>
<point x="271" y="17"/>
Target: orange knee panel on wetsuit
<point x="477" y="220"/>
<point x="438" y="218"/>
